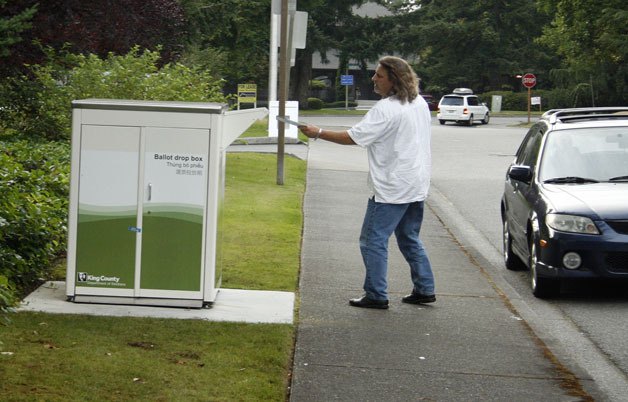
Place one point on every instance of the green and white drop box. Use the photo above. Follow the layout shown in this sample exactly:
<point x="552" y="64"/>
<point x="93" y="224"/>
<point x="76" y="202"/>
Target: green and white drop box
<point x="147" y="185"/>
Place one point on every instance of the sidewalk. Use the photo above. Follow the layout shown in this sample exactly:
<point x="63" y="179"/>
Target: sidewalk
<point x="468" y="346"/>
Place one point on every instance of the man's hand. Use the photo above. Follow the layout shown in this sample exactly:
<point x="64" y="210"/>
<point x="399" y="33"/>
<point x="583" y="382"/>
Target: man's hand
<point x="310" y="131"/>
<point x="338" y="137"/>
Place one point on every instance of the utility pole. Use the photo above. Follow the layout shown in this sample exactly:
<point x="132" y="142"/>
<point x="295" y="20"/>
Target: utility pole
<point x="293" y="30"/>
<point x="283" y="91"/>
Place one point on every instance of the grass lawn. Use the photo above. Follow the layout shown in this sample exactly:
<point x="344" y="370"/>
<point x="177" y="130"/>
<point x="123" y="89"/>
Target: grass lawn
<point x="262" y="236"/>
<point x="257" y="129"/>
<point x="51" y="357"/>
<point x="86" y="358"/>
<point x="260" y="129"/>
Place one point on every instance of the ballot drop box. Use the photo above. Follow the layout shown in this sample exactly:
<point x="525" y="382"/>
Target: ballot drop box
<point x="147" y="185"/>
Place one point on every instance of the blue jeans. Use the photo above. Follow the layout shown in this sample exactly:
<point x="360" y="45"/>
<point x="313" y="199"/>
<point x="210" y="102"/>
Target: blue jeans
<point x="380" y="221"/>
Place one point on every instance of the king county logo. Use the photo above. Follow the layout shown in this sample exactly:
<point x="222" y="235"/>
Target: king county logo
<point x="84" y="277"/>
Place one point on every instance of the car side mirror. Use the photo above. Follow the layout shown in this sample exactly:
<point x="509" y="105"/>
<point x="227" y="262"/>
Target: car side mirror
<point x="520" y="173"/>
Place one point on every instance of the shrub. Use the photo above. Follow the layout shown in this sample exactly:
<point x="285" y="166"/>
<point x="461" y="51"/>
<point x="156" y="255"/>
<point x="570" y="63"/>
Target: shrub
<point x="7" y="300"/>
<point x="314" y="103"/>
<point x="33" y="209"/>
<point x="317" y="84"/>
<point x="550" y="99"/>
<point x="46" y="107"/>
<point x="510" y="100"/>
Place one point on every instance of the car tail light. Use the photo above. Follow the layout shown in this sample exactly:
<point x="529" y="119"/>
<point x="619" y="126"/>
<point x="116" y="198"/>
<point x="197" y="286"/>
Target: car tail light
<point x="465" y="111"/>
<point x="572" y="260"/>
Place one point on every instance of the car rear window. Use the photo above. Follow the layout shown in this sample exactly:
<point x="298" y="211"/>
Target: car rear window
<point x="452" y="101"/>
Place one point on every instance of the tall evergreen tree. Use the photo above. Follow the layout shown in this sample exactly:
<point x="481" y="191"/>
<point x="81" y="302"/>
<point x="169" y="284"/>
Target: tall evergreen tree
<point x="12" y="26"/>
<point x="482" y="44"/>
<point x="233" y="32"/>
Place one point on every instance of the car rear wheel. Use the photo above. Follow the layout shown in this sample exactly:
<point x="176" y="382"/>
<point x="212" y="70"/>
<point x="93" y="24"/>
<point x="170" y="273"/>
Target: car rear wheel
<point x="485" y="119"/>
<point x="470" y="122"/>
<point x="542" y="287"/>
<point x="442" y="122"/>
<point x="511" y="261"/>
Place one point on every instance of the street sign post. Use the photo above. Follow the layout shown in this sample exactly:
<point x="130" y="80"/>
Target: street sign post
<point x="247" y="93"/>
<point x="536" y="100"/>
<point x="346" y="80"/>
<point x="529" y="81"/>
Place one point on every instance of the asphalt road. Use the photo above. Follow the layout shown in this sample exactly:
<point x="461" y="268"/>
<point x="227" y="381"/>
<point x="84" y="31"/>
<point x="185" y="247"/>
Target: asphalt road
<point x="587" y="324"/>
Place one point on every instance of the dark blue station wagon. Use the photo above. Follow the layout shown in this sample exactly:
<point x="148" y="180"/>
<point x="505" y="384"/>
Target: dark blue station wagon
<point x="565" y="202"/>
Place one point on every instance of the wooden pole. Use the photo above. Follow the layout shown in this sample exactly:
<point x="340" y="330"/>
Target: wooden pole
<point x="529" y="102"/>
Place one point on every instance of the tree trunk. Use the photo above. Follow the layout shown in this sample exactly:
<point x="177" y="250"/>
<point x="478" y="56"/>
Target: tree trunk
<point x="300" y="77"/>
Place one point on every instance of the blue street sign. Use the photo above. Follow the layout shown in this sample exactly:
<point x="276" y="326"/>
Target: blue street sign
<point x="346" y="80"/>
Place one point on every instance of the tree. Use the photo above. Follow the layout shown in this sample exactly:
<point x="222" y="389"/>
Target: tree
<point x="477" y="44"/>
<point x="237" y="30"/>
<point x="333" y="25"/>
<point x="11" y="27"/>
<point x="95" y="26"/>
<point x="591" y="36"/>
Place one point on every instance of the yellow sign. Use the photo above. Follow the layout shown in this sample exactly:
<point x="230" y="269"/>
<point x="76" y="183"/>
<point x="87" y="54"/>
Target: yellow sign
<point x="247" y="93"/>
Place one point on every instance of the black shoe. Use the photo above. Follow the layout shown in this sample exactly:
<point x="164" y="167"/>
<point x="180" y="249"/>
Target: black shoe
<point x="369" y="303"/>
<point x="418" y="298"/>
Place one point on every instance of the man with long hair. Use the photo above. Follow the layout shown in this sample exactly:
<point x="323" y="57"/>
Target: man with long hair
<point x="396" y="133"/>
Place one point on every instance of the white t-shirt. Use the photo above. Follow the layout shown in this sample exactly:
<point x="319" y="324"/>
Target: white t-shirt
<point x="397" y="139"/>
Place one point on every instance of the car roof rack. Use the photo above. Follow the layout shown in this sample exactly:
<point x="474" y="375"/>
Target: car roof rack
<point x="569" y="115"/>
<point x="463" y="91"/>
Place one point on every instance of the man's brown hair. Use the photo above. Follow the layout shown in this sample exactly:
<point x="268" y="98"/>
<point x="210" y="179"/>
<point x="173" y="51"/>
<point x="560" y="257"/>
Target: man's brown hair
<point x="404" y="79"/>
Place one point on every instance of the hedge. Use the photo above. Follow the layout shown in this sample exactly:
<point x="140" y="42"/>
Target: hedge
<point x="7" y="300"/>
<point x="34" y="182"/>
<point x="40" y="106"/>
<point x="550" y="99"/>
<point x="314" y="103"/>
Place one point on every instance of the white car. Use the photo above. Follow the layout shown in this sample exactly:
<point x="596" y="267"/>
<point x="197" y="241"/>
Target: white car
<point x="462" y="107"/>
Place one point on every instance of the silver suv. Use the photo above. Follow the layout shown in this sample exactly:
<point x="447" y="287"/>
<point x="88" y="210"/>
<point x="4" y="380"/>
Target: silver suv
<point x="462" y="107"/>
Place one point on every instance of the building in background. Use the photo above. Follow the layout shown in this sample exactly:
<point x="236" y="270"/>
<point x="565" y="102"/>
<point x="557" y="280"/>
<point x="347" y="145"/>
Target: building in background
<point x="326" y="70"/>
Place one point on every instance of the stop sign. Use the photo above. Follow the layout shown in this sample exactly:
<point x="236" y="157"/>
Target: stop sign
<point x="528" y="80"/>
